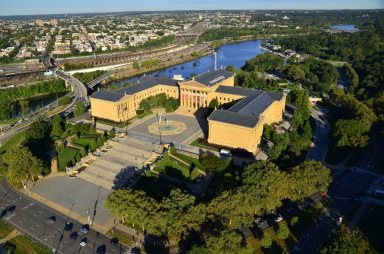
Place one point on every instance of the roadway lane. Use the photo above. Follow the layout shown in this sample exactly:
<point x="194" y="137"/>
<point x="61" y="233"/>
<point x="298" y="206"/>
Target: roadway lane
<point x="321" y="140"/>
<point x="345" y="192"/>
<point x="30" y="217"/>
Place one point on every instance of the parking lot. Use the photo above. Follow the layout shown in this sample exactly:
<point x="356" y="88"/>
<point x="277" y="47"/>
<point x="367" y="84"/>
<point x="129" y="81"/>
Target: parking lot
<point x="77" y="196"/>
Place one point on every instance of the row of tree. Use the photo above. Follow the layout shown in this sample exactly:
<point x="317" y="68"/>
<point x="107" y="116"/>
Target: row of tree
<point x="86" y="77"/>
<point x="263" y="188"/>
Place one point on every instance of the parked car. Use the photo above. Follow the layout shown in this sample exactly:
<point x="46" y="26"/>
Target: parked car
<point x="84" y="229"/>
<point x="278" y="218"/>
<point x="83" y="242"/>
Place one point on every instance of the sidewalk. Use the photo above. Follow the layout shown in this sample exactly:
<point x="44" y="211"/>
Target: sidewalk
<point x="358" y="215"/>
<point x="10" y="236"/>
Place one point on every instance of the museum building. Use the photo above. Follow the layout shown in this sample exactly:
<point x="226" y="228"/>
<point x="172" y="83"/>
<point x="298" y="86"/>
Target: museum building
<point x="239" y="126"/>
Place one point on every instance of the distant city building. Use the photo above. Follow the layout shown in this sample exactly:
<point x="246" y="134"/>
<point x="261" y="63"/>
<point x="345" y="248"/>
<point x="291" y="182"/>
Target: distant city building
<point x="39" y="22"/>
<point x="54" y="22"/>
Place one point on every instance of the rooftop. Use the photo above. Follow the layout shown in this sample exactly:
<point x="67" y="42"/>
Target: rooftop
<point x="143" y="84"/>
<point x="235" y="118"/>
<point x="211" y="78"/>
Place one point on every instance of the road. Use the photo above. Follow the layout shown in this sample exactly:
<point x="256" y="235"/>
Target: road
<point x="78" y="88"/>
<point x="30" y="217"/>
<point x="345" y="191"/>
<point x="321" y="139"/>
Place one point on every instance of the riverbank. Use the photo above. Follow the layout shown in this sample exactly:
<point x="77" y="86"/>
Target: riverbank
<point x="235" y="54"/>
<point x="165" y="63"/>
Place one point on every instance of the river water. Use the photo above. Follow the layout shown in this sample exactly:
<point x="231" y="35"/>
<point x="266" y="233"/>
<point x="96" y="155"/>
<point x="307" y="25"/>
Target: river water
<point x="235" y="54"/>
<point x="345" y="27"/>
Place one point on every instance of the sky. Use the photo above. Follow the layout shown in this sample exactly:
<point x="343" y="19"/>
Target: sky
<point x="28" y="7"/>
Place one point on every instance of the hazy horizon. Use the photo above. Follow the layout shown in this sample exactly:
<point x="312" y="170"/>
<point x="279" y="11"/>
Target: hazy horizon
<point x="46" y="7"/>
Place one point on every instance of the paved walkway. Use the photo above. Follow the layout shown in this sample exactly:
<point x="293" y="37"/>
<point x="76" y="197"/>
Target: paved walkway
<point x="10" y="236"/>
<point x="358" y="215"/>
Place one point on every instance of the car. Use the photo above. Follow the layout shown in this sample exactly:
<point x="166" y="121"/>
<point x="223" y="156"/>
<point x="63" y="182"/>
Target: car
<point x="114" y="241"/>
<point x="259" y="220"/>
<point x="278" y="218"/>
<point x="83" y="242"/>
<point x="68" y="226"/>
<point x="74" y="235"/>
<point x="84" y="229"/>
<point x="51" y="219"/>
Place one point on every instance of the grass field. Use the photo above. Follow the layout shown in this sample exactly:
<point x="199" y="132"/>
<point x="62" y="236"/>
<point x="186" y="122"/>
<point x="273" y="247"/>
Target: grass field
<point x="173" y="168"/>
<point x="13" y="142"/>
<point x="65" y="156"/>
<point x="199" y="142"/>
<point x="85" y="141"/>
<point x="24" y="245"/>
<point x="4" y="230"/>
<point x="21" y="244"/>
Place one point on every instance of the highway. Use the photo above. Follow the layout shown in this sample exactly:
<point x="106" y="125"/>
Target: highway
<point x="31" y="218"/>
<point x="346" y="189"/>
<point x="78" y="90"/>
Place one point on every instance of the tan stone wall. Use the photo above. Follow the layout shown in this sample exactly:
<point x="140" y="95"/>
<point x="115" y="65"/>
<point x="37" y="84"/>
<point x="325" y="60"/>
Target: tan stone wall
<point x="235" y="136"/>
<point x="241" y="137"/>
<point x="104" y="109"/>
<point x="125" y="109"/>
<point x="223" y="98"/>
<point x="274" y="113"/>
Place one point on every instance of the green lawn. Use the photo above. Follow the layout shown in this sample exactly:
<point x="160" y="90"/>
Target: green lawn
<point x="85" y="141"/>
<point x="199" y="142"/>
<point x="372" y="225"/>
<point x="24" y="245"/>
<point x="10" y="121"/>
<point x="4" y="230"/>
<point x="65" y="156"/>
<point x="171" y="167"/>
<point x="13" y="142"/>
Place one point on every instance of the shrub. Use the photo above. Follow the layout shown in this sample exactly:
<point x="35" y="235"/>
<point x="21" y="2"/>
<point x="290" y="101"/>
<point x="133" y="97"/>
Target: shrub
<point x="294" y="220"/>
<point x="83" y="152"/>
<point x="283" y="232"/>
<point x="266" y="242"/>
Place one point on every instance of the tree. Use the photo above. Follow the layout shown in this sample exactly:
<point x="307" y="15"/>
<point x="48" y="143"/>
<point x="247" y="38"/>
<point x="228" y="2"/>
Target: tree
<point x="22" y="165"/>
<point x="295" y="72"/>
<point x="266" y="242"/>
<point x="352" y="77"/>
<point x="7" y="108"/>
<point x="214" y="103"/>
<point x="64" y="101"/>
<point x="111" y="133"/>
<point x="57" y="126"/>
<point x="226" y="242"/>
<point x="347" y="241"/>
<point x="24" y="107"/>
<point x="135" y="65"/>
<point x="79" y="108"/>
<point x="308" y="178"/>
<point x="38" y="130"/>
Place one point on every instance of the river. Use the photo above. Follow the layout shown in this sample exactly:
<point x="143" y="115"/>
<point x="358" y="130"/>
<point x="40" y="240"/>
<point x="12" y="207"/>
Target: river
<point x="235" y="54"/>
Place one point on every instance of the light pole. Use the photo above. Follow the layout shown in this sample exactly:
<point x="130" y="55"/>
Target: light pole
<point x="158" y="123"/>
